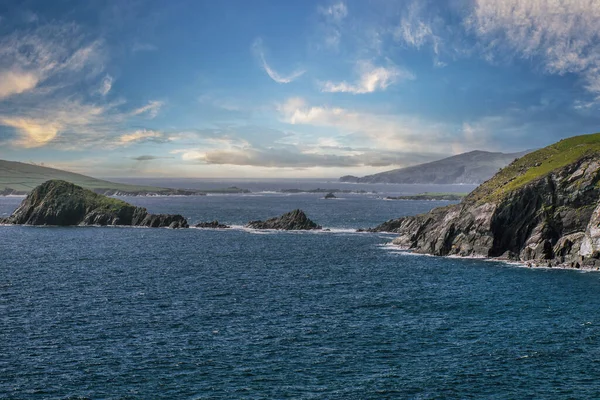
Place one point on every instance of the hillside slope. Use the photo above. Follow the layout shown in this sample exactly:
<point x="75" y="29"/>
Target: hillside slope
<point x="468" y="168"/>
<point x="21" y="178"/>
<point x="543" y="209"/>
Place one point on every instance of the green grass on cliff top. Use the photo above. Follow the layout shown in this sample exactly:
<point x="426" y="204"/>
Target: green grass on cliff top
<point x="536" y="165"/>
<point x="69" y="193"/>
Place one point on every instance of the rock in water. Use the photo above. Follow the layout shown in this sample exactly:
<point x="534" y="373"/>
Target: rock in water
<point x="62" y="203"/>
<point x="293" y="221"/>
<point x="543" y="208"/>
<point x="330" y="195"/>
<point x="213" y="224"/>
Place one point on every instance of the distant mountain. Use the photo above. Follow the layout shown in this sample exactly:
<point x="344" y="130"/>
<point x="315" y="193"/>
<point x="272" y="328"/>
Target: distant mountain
<point x="21" y="178"/>
<point x="473" y="167"/>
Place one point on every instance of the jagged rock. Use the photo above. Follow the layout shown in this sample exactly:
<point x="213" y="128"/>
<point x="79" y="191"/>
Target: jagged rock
<point x="213" y="224"/>
<point x="62" y="203"/>
<point x="294" y="220"/>
<point x="330" y="196"/>
<point x="550" y="218"/>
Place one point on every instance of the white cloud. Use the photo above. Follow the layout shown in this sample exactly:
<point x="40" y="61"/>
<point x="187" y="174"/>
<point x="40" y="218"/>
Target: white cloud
<point x="258" y="49"/>
<point x="105" y="85"/>
<point x="335" y="12"/>
<point x="16" y="82"/>
<point x="151" y="109"/>
<point x="564" y="35"/>
<point x="138" y="136"/>
<point x="32" y="132"/>
<point x="371" y="79"/>
<point x="28" y="58"/>
<point x="381" y="131"/>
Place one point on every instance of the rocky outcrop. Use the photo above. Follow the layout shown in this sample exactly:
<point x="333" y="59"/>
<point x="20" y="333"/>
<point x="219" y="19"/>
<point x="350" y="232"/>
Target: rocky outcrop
<point x="62" y="203"/>
<point x="330" y="195"/>
<point x="293" y="221"/>
<point x="551" y="219"/>
<point x="212" y="225"/>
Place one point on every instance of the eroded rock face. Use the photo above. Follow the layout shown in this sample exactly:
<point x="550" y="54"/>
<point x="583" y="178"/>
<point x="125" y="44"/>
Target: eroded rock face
<point x="294" y="220"/>
<point x="550" y="221"/>
<point x="62" y="203"/>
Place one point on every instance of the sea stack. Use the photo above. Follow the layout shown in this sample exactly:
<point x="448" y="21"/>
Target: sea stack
<point x="292" y="221"/>
<point x="61" y="203"/>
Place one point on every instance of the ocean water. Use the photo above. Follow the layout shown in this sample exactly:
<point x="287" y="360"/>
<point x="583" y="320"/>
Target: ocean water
<point x="139" y="313"/>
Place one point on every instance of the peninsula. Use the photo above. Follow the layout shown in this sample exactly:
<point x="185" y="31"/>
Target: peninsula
<point x="542" y="209"/>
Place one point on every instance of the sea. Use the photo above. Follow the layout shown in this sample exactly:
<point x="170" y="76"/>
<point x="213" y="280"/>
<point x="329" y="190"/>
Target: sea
<point x="146" y="313"/>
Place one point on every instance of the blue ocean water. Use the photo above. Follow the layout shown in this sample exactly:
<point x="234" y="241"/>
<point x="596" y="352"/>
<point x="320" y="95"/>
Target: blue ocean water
<point x="113" y="313"/>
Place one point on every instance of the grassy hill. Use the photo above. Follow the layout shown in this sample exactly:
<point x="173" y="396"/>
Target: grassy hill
<point x="20" y="178"/>
<point x="468" y="168"/>
<point x="536" y="165"/>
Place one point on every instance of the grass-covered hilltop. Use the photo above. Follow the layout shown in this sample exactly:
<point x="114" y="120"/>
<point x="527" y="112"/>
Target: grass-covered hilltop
<point x="542" y="208"/>
<point x="17" y="178"/>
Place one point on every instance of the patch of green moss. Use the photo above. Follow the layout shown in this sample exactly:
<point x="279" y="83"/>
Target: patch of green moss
<point x="536" y="165"/>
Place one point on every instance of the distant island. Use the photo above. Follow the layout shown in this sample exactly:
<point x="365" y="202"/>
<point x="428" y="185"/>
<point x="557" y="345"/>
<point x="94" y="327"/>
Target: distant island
<point x="319" y="190"/>
<point x="471" y="168"/>
<point x="430" y="196"/>
<point x="542" y="209"/>
<point x="17" y="178"/>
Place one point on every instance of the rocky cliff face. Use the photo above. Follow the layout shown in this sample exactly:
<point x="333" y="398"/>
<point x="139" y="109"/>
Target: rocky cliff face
<point x="61" y="203"/>
<point x="545" y="219"/>
<point x="292" y="221"/>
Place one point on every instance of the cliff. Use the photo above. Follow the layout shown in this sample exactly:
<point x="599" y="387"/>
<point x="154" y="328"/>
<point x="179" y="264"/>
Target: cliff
<point x="543" y="208"/>
<point x="62" y="203"/>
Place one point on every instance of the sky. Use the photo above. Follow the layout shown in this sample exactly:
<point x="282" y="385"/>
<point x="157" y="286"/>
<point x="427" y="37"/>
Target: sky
<point x="209" y="89"/>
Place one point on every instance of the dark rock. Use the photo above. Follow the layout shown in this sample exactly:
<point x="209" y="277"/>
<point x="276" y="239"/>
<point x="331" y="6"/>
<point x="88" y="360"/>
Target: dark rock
<point x="214" y="225"/>
<point x="330" y="196"/>
<point x="62" y="203"/>
<point x="294" y="220"/>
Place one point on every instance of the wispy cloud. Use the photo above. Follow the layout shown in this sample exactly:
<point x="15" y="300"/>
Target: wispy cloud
<point x="563" y="35"/>
<point x="371" y="79"/>
<point x="151" y="109"/>
<point x="258" y="49"/>
<point x="140" y="135"/>
<point x="16" y="82"/>
<point x="333" y="17"/>
<point x="30" y="57"/>
<point x="335" y="12"/>
<point x="105" y="85"/>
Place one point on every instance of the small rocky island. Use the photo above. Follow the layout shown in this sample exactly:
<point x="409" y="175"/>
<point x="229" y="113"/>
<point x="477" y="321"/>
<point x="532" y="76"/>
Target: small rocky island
<point x="542" y="209"/>
<point x="330" y="195"/>
<point x="292" y="221"/>
<point x="61" y="203"/>
<point x="212" y="225"/>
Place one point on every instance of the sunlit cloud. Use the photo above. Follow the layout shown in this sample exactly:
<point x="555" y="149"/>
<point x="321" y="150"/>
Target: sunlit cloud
<point x="32" y="133"/>
<point x="151" y="109"/>
<point x="258" y="49"/>
<point x="139" y="135"/>
<point x="371" y="79"/>
<point x="15" y="82"/>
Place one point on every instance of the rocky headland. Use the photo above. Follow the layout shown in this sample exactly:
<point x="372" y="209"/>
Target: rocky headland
<point x="57" y="202"/>
<point x="542" y="209"/>
<point x="292" y="221"/>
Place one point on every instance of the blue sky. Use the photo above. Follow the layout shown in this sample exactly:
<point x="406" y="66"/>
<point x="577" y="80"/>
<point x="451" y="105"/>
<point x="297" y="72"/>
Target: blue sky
<point x="290" y="88"/>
